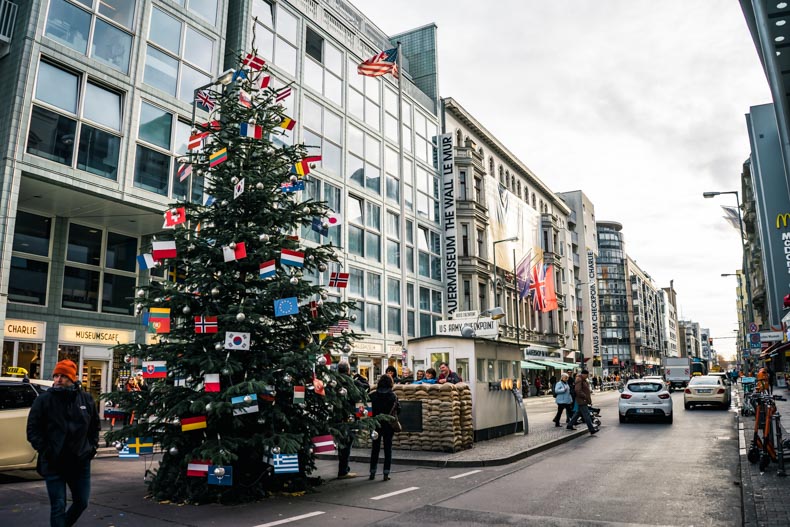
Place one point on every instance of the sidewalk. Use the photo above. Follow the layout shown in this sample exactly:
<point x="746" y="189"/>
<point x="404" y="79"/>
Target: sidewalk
<point x="764" y="494"/>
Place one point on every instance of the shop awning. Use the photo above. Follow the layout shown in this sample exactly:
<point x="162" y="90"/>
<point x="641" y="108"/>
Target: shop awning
<point x="774" y="350"/>
<point x="554" y="364"/>
<point x="529" y="365"/>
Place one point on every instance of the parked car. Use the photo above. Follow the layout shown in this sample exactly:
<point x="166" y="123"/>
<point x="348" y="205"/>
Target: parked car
<point x="706" y="389"/>
<point x="645" y="398"/>
<point x="16" y="397"/>
<point x="723" y="376"/>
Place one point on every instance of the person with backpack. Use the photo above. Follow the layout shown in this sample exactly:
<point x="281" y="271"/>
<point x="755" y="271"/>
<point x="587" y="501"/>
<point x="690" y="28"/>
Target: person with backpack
<point x="562" y="394"/>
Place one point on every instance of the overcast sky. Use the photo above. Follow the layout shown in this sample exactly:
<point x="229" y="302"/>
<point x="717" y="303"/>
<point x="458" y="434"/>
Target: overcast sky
<point x="638" y="103"/>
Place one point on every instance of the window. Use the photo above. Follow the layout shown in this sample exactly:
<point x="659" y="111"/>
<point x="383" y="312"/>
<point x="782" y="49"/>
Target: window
<point x="430" y="310"/>
<point x="323" y="67"/>
<point x="179" y="58"/>
<point x="364" y="288"/>
<point x="392" y="170"/>
<point x="393" y="307"/>
<point x="479" y="190"/>
<point x="30" y="259"/>
<point x="323" y="134"/>
<point x="364" y="97"/>
<point x="100" y="270"/>
<point x="69" y="110"/>
<point x="276" y="34"/>
<point x="467" y="292"/>
<point x="481" y="243"/>
<point x="393" y="239"/>
<point x="104" y="24"/>
<point x="462" y="185"/>
<point x="429" y="247"/>
<point x="464" y="239"/>
<point x="364" y="229"/>
<point x="322" y="191"/>
<point x="364" y="159"/>
<point x="428" y="188"/>
<point x="161" y="137"/>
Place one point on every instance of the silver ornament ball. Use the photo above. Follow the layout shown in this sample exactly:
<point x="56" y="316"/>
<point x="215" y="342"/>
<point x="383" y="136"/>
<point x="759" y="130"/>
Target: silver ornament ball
<point x="275" y="450"/>
<point x="322" y="267"/>
<point x="241" y="317"/>
<point x="173" y="451"/>
<point x="346" y="348"/>
<point x="259" y="185"/>
<point x="118" y="445"/>
<point x="324" y="295"/>
<point x="208" y="407"/>
<point x="218" y="346"/>
<point x="343" y="392"/>
<point x="232" y="245"/>
<point x="225" y="371"/>
<point x="306" y="210"/>
<point x="325" y="224"/>
<point x="186" y="310"/>
<point x="294" y="280"/>
<point x="234" y="180"/>
<point x="264" y="238"/>
<point x="294" y="179"/>
<point x="140" y="293"/>
<point x="219" y="472"/>
<point x="224" y="203"/>
<point x="247" y="399"/>
<point x="374" y="435"/>
<point x="215" y="291"/>
<point x="321" y="361"/>
<point x="353" y="318"/>
<point x="287" y="378"/>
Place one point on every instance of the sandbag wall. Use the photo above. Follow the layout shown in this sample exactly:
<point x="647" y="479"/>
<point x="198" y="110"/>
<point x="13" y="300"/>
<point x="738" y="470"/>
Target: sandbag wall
<point x="446" y="417"/>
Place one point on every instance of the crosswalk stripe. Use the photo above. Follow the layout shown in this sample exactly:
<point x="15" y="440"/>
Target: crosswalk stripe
<point x="395" y="493"/>
<point x="465" y="474"/>
<point x="292" y="519"/>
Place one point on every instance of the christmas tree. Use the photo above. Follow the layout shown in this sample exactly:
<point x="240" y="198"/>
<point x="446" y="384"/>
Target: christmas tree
<point x="240" y="394"/>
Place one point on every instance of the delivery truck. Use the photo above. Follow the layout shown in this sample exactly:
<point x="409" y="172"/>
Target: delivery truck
<point x="677" y="372"/>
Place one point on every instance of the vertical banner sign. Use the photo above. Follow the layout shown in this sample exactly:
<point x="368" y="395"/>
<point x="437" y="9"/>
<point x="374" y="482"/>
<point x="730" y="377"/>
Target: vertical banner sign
<point x="592" y="283"/>
<point x="443" y="161"/>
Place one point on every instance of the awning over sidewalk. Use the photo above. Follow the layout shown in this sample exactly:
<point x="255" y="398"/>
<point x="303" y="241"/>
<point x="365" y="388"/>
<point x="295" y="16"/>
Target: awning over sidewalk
<point x="554" y="364"/>
<point x="529" y="365"/>
<point x="775" y="350"/>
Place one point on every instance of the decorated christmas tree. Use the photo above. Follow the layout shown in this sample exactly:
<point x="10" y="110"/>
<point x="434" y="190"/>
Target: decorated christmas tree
<point x="240" y="391"/>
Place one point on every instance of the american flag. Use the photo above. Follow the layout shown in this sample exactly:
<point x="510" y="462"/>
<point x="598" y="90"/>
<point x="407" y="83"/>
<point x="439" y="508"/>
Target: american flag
<point x="283" y="94"/>
<point x="338" y="329"/>
<point x="380" y="64"/>
<point x="338" y="280"/>
<point x="204" y="99"/>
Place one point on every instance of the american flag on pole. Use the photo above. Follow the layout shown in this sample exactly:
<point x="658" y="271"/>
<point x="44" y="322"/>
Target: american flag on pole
<point x="204" y="99"/>
<point x="380" y="64"/>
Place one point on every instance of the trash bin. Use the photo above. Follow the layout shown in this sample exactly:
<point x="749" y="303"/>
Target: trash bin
<point x="748" y="384"/>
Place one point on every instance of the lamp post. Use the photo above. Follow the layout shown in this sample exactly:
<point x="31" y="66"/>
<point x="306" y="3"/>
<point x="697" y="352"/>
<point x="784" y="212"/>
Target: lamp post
<point x="743" y="340"/>
<point x="750" y="308"/>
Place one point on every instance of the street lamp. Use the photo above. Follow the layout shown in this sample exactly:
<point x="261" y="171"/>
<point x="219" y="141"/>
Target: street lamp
<point x="750" y="308"/>
<point x="742" y="331"/>
<point x="511" y="239"/>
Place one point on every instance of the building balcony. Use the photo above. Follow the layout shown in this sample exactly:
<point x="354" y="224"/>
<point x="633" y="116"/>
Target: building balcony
<point x="8" y="11"/>
<point x="576" y="260"/>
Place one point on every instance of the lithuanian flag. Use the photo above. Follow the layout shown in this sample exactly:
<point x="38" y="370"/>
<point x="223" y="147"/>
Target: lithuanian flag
<point x="220" y="156"/>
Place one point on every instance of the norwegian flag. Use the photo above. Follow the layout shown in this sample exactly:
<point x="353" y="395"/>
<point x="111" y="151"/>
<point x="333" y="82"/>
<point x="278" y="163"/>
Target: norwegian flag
<point x="253" y="61"/>
<point x="338" y="329"/>
<point x="338" y="280"/>
<point x="206" y="324"/>
<point x="283" y="94"/>
<point x="204" y="99"/>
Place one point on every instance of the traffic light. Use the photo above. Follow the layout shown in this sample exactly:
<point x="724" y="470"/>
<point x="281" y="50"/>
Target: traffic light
<point x="710" y="341"/>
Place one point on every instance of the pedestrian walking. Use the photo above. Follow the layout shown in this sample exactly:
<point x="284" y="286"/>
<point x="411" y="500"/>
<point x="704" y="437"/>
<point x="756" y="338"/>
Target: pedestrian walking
<point x="384" y="402"/>
<point x="583" y="401"/>
<point x="564" y="401"/>
<point x="63" y="427"/>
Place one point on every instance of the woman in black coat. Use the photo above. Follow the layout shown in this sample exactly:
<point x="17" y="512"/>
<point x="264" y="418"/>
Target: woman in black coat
<point x="384" y="401"/>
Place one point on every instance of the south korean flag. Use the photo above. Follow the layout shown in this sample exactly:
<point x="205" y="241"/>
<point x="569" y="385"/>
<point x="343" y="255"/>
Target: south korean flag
<point x="238" y="190"/>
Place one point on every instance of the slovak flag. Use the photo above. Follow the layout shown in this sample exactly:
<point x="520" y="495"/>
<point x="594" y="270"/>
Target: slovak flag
<point x="253" y="131"/>
<point x="154" y="369"/>
<point x="292" y="258"/>
<point x="211" y="382"/>
<point x="268" y="269"/>
<point x="234" y="254"/>
<point x="164" y="250"/>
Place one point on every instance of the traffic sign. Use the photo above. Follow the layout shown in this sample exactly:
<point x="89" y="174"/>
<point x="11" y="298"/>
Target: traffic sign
<point x="754" y="341"/>
<point x="753" y="327"/>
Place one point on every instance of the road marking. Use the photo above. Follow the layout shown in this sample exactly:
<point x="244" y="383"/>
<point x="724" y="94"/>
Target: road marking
<point x="395" y="493"/>
<point x="293" y="519"/>
<point x="465" y="474"/>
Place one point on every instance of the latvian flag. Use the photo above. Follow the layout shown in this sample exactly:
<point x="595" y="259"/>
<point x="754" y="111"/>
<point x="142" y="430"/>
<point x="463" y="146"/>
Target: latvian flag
<point x="253" y="131"/>
<point x="323" y="444"/>
<point x="211" y="382"/>
<point x="292" y="258"/>
<point x="164" y="250"/>
<point x="198" y="468"/>
<point x="338" y="280"/>
<point x="193" y="423"/>
<point x="253" y="61"/>
<point x="283" y="94"/>
<point x="205" y="324"/>
<point x="268" y="269"/>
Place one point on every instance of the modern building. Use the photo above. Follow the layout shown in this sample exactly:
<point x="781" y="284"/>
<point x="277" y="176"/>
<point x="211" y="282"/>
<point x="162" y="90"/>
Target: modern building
<point x="669" y="314"/>
<point x="690" y="339"/>
<point x="99" y="103"/>
<point x="585" y="305"/>
<point x="645" y="321"/>
<point x="613" y="292"/>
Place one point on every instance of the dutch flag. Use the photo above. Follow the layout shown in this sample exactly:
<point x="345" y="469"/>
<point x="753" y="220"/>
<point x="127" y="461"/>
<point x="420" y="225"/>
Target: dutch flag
<point x="292" y="258"/>
<point x="268" y="269"/>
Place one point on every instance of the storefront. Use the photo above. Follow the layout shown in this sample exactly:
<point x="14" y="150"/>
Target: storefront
<point x="91" y="349"/>
<point x="368" y="359"/>
<point x="23" y="346"/>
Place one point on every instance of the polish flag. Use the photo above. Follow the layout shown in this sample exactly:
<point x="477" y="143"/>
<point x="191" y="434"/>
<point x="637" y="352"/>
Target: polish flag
<point x="164" y="250"/>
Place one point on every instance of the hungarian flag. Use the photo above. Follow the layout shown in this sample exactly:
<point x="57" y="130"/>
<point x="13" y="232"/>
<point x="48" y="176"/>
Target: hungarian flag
<point x="298" y="394"/>
<point x="206" y="324"/>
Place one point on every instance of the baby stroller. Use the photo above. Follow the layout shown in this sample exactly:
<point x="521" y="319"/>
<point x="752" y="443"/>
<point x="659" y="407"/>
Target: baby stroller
<point x="595" y="415"/>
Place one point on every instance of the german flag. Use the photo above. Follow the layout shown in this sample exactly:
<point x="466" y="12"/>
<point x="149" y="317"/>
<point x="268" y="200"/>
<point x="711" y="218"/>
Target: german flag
<point x="193" y="423"/>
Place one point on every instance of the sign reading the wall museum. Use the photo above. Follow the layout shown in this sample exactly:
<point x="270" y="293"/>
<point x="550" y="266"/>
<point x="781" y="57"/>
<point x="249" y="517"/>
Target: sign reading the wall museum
<point x="24" y="330"/>
<point x="443" y="161"/>
<point x="94" y="335"/>
<point x="483" y="326"/>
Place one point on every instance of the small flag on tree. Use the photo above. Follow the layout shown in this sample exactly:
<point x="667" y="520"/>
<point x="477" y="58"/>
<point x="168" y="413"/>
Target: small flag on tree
<point x="205" y="100"/>
<point x="146" y="261"/>
<point x="196" y="140"/>
<point x="253" y="131"/>
<point x="268" y="269"/>
<point x="184" y="170"/>
<point x="164" y="250"/>
<point x="338" y="328"/>
<point x="176" y="275"/>
<point x="313" y="309"/>
<point x="302" y="168"/>
<point x="298" y="394"/>
<point x="140" y="445"/>
<point x="237" y="341"/>
<point x="245" y="99"/>
<point x="283" y="94"/>
<point x="263" y="81"/>
<point x="174" y="217"/>
<point x="318" y="226"/>
<point x="254" y="62"/>
<point x="292" y="187"/>
<point x="245" y="404"/>
<point x="287" y="123"/>
<point x="156" y="369"/>
<point x="318" y="386"/>
<point x="325" y="443"/>
<point x="209" y="201"/>
<point x="218" y="157"/>
<point x="126" y="454"/>
<point x="380" y="64"/>
<point x="193" y="423"/>
<point x="338" y="280"/>
<point x="159" y="319"/>
<point x="239" y="75"/>
<point x="285" y="463"/>
<point x="234" y="253"/>
<point x="206" y="324"/>
<point x="334" y="219"/>
<point x="211" y="382"/>
<point x="198" y="468"/>
<point x="286" y="306"/>
<point x="225" y="479"/>
<point x="292" y="258"/>
<point x="238" y="189"/>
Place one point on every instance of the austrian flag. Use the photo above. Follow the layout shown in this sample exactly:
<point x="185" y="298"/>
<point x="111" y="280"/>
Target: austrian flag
<point x="198" y="468"/>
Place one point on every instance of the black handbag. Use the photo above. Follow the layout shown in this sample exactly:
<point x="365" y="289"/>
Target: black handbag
<point x="396" y="426"/>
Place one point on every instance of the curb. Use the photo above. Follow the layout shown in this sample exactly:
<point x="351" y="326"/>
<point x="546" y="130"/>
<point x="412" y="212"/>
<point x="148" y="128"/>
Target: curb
<point x="467" y="463"/>
<point x="748" y="508"/>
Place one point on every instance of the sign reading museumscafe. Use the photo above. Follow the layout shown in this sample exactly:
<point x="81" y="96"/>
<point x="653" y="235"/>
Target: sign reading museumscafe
<point x="95" y="335"/>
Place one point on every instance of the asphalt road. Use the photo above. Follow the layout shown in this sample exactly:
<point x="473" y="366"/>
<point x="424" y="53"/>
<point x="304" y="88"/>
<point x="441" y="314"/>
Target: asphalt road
<point x="631" y="474"/>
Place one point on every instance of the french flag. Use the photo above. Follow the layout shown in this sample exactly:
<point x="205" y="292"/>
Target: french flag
<point x="198" y="468"/>
<point x="292" y="258"/>
<point x="146" y="261"/>
<point x="164" y="250"/>
<point x="251" y="130"/>
<point x="268" y="269"/>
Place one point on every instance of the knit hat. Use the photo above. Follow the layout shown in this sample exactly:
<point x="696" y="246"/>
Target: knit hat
<point x="67" y="368"/>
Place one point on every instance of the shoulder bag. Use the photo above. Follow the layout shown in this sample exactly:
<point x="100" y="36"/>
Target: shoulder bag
<point x="395" y="424"/>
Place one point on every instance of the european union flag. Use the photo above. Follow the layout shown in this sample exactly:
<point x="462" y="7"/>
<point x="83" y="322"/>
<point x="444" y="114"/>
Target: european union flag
<point x="319" y="228"/>
<point x="226" y="480"/>
<point x="286" y="306"/>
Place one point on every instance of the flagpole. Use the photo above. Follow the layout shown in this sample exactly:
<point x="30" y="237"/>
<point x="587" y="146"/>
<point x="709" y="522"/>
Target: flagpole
<point x="402" y="184"/>
<point x="518" y="301"/>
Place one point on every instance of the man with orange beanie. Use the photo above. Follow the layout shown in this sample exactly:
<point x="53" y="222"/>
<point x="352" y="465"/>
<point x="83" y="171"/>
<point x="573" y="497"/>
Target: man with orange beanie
<point x="63" y="426"/>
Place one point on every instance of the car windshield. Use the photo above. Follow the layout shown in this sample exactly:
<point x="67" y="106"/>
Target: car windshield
<point x="645" y="387"/>
<point x="704" y="380"/>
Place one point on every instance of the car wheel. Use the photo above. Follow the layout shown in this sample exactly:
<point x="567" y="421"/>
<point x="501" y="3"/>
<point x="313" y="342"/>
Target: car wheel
<point x="623" y="419"/>
<point x="687" y="406"/>
<point x="669" y="418"/>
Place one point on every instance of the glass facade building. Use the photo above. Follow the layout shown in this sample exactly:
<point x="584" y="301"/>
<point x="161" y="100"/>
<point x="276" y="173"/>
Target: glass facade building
<point x="613" y="292"/>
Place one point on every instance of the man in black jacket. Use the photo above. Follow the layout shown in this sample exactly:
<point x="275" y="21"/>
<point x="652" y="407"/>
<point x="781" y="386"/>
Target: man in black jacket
<point x="63" y="426"/>
<point x="344" y="445"/>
